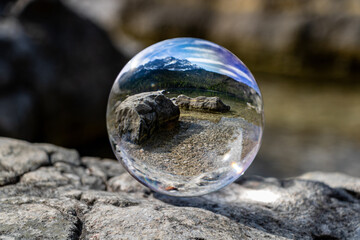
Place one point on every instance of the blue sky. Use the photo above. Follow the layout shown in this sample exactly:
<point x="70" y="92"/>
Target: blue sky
<point x="205" y="54"/>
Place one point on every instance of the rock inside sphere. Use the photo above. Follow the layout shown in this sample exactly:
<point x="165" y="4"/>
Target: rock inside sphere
<point x="185" y="117"/>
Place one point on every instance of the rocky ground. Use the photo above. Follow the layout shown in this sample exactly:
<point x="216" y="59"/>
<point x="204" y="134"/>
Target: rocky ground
<point x="177" y="151"/>
<point x="173" y="150"/>
<point x="49" y="192"/>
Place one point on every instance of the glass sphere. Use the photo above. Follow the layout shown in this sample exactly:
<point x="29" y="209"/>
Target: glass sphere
<point x="185" y="117"/>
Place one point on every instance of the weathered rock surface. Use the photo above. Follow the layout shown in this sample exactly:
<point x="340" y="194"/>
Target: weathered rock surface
<point x="202" y="103"/>
<point x="17" y="158"/>
<point x="90" y="198"/>
<point x="139" y="115"/>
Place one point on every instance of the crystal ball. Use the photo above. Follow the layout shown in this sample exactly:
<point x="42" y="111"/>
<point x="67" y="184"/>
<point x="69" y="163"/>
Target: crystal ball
<point x="185" y="117"/>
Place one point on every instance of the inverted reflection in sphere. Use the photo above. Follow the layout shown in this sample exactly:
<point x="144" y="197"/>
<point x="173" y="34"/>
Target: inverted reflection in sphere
<point x="185" y="117"/>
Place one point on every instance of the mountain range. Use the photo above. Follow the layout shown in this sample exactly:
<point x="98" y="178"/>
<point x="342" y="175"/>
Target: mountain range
<point x="173" y="73"/>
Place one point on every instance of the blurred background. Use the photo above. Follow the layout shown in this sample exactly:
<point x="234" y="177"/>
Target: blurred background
<point x="58" y="60"/>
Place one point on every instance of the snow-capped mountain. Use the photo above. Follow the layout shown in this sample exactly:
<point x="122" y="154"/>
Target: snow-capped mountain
<point x="170" y="63"/>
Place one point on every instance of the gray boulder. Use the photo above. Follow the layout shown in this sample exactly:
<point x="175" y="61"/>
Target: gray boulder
<point x="139" y="115"/>
<point x="202" y="103"/>
<point x="56" y="72"/>
<point x="18" y="158"/>
<point x="91" y="198"/>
